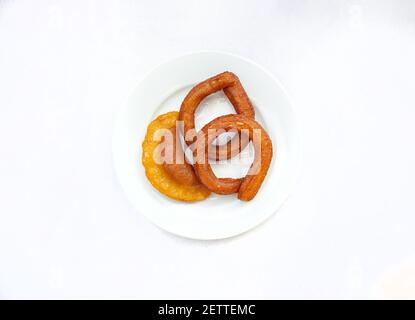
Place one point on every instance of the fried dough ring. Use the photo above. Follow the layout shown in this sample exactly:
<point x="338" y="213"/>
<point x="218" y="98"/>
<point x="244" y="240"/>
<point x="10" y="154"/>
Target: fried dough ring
<point x="157" y="175"/>
<point x="232" y="87"/>
<point x="246" y="187"/>
<point x="182" y="172"/>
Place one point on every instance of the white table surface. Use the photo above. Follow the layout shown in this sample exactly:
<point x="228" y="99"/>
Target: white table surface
<point x="66" y="229"/>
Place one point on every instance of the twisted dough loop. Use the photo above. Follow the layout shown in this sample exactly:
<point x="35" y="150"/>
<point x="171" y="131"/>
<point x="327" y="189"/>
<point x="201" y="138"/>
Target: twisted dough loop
<point x="179" y="168"/>
<point x="232" y="87"/>
<point x="246" y="187"/>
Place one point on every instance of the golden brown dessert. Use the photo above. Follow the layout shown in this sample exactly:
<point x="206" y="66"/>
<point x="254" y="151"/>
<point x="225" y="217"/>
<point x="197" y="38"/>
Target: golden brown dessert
<point x="164" y="161"/>
<point x="156" y="173"/>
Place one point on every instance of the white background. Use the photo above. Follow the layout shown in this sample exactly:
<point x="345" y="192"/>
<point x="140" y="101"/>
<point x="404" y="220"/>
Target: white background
<point x="66" y="229"/>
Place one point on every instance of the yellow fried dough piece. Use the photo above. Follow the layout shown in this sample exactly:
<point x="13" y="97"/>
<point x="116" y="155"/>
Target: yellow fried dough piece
<point x="157" y="175"/>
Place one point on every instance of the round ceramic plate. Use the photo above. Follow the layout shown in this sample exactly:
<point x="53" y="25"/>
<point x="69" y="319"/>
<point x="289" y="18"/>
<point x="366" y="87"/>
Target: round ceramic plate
<point x="163" y="90"/>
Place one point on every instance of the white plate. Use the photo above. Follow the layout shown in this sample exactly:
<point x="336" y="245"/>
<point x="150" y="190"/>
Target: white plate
<point x="163" y="90"/>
